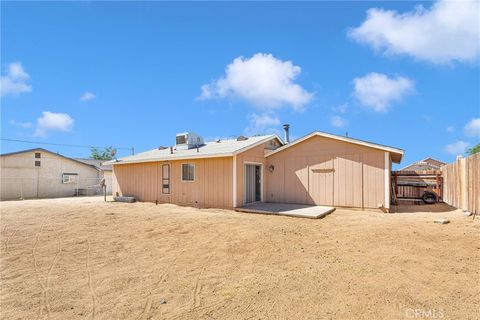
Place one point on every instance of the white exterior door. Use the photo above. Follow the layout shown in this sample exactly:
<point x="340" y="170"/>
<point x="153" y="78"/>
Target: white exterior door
<point x="253" y="183"/>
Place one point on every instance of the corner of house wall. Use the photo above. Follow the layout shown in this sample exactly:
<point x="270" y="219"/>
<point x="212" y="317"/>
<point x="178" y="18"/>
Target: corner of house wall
<point x="387" y="171"/>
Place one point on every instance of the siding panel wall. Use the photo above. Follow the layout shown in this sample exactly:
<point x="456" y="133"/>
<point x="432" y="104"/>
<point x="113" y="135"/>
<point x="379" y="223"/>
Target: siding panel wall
<point x="320" y="180"/>
<point x="212" y="186"/>
<point x="325" y="171"/>
<point x="256" y="155"/>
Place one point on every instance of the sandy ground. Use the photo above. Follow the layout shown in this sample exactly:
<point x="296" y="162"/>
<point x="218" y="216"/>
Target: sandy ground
<point x="83" y="258"/>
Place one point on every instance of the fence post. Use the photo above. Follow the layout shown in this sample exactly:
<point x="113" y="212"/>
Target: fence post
<point x="463" y="184"/>
<point x="21" y="188"/>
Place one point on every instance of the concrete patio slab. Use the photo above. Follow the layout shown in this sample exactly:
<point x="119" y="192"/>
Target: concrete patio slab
<point x="287" y="209"/>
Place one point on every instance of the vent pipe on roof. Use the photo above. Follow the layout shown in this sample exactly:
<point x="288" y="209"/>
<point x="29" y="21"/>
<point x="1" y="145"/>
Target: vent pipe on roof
<point x="286" y="127"/>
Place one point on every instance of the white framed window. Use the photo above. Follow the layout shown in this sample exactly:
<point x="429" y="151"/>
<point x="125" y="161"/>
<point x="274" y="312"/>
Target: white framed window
<point x="69" y="178"/>
<point x="188" y="172"/>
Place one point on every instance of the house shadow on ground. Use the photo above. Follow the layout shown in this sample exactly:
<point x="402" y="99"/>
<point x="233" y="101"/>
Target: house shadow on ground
<point x="423" y="208"/>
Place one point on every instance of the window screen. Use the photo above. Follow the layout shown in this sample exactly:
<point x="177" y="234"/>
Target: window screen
<point x="188" y="172"/>
<point x="38" y="155"/>
<point x="37" y="163"/>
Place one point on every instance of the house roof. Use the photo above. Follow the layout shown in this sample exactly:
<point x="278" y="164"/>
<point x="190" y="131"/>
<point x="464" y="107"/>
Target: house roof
<point x="97" y="163"/>
<point x="48" y="151"/>
<point x="397" y="154"/>
<point x="425" y="164"/>
<point x="214" y="149"/>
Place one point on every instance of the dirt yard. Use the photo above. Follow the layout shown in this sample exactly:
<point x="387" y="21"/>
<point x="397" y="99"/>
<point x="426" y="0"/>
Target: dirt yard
<point x="83" y="258"/>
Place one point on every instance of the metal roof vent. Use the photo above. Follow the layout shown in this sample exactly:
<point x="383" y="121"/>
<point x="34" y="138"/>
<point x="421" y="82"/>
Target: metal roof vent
<point x="242" y="138"/>
<point x="188" y="140"/>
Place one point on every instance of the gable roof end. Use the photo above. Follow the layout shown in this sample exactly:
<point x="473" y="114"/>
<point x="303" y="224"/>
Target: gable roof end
<point x="47" y="151"/>
<point x="396" y="153"/>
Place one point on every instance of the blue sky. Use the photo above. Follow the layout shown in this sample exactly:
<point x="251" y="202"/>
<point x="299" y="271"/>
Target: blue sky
<point x="134" y="74"/>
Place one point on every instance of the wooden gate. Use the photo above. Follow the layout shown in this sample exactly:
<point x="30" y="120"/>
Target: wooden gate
<point x="409" y="186"/>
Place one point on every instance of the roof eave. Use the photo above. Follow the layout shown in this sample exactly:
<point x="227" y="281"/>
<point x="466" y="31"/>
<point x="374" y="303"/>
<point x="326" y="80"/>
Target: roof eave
<point x="191" y="157"/>
<point x="197" y="156"/>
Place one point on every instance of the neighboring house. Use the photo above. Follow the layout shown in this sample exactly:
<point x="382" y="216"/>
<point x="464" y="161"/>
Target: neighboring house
<point x="39" y="173"/>
<point x="320" y="168"/>
<point x="105" y="170"/>
<point x="425" y="164"/>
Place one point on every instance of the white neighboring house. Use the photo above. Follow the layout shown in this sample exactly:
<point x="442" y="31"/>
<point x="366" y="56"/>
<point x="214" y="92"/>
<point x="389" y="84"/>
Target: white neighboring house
<point x="106" y="170"/>
<point x="40" y="173"/>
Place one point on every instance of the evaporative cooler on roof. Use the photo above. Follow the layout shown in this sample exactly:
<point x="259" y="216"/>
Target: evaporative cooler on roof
<point x="188" y="140"/>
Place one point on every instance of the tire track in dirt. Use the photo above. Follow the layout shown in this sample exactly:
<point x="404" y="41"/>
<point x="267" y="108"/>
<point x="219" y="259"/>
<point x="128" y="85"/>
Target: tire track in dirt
<point x="45" y="302"/>
<point x="90" y="281"/>
<point x="8" y="239"/>
<point x="35" y="266"/>
<point x="196" y="298"/>
<point x="266" y="242"/>
<point x="146" y="308"/>
<point x="4" y="231"/>
<point x="222" y="304"/>
<point x="208" y="308"/>
<point x="148" y="302"/>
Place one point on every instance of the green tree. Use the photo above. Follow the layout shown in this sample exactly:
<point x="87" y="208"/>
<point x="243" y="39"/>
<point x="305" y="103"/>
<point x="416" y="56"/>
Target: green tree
<point x="103" y="154"/>
<point x="474" y="149"/>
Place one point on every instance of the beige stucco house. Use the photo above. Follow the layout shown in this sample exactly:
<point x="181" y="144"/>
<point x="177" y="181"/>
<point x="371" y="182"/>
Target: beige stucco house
<point x="105" y="171"/>
<point x="320" y="169"/>
<point x="39" y="173"/>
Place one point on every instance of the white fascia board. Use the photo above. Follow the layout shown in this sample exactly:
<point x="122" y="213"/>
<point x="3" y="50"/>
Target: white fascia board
<point x="190" y="157"/>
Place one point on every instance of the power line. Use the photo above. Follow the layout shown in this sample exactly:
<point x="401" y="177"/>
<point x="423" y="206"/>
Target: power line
<point x="67" y="145"/>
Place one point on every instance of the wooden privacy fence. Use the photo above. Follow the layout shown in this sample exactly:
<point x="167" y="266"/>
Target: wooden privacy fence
<point x="409" y="186"/>
<point x="461" y="181"/>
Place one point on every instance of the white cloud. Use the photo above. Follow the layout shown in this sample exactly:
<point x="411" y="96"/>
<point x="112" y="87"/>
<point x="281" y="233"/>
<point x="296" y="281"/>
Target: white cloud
<point x="87" y="96"/>
<point x="447" y="31"/>
<point x="377" y="91"/>
<point x="341" y="108"/>
<point x="338" y="122"/>
<point x="457" y="147"/>
<point x="472" y="129"/>
<point x="262" y="80"/>
<point x="263" y="124"/>
<point x="51" y="121"/>
<point x="450" y="129"/>
<point x="20" y="124"/>
<point x="15" y="82"/>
